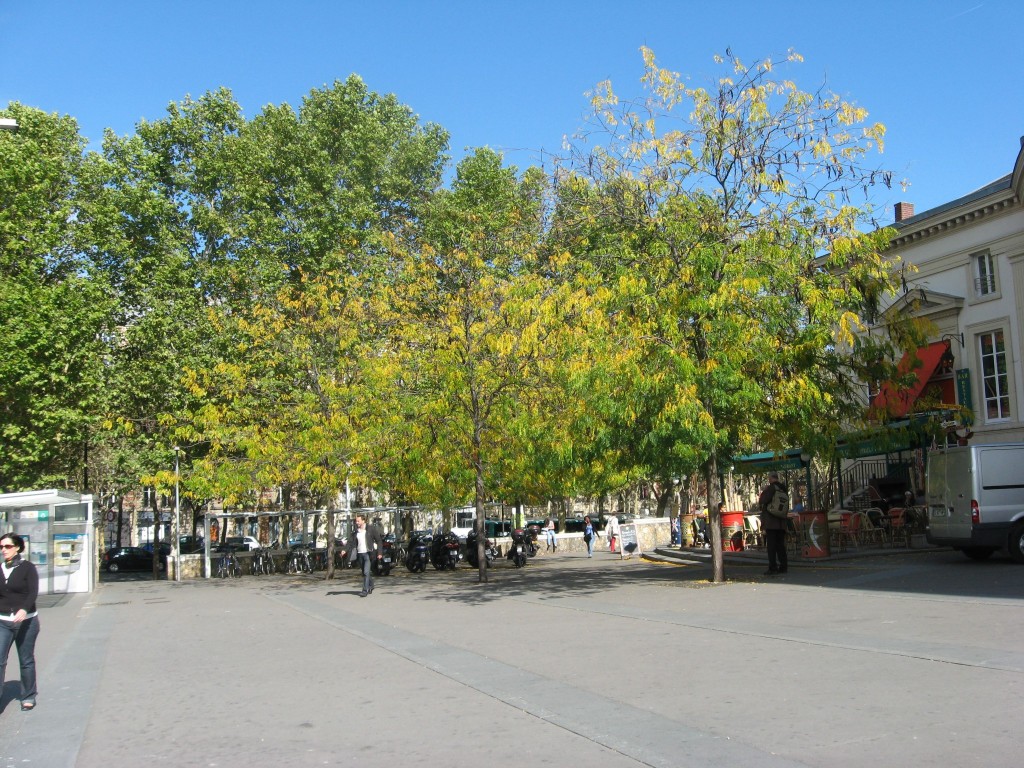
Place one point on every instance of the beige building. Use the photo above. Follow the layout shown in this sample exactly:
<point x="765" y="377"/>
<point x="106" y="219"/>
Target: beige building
<point x="969" y="255"/>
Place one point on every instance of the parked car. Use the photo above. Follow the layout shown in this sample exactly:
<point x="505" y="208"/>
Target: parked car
<point x="190" y="545"/>
<point x="241" y="542"/>
<point x="118" y="559"/>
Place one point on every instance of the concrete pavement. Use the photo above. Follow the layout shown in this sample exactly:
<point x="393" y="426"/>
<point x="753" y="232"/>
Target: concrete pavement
<point x="915" y="658"/>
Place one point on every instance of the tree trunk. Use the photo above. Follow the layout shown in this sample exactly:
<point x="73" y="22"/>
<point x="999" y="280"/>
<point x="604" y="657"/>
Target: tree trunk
<point x="120" y="518"/>
<point x="481" y="529"/>
<point x="330" y="539"/>
<point x="714" y="521"/>
<point x="665" y="498"/>
<point x="156" y="536"/>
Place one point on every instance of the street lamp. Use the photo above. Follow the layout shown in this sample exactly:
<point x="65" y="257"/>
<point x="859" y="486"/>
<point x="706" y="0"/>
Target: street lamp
<point x="177" y="523"/>
<point x="8" y="124"/>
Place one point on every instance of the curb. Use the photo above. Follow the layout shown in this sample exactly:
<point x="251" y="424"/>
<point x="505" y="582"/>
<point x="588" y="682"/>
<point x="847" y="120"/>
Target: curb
<point x="702" y="556"/>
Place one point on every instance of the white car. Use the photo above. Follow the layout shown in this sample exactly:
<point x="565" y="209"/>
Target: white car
<point x="248" y="543"/>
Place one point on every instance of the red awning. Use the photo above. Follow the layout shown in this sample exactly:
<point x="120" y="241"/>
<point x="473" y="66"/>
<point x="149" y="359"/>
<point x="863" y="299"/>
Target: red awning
<point x="897" y="402"/>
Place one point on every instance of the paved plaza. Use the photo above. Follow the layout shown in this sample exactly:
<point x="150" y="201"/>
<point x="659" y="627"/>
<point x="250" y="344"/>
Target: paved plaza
<point x="913" y="658"/>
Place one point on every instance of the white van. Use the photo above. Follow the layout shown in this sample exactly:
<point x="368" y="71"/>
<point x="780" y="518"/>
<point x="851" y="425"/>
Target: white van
<point x="975" y="497"/>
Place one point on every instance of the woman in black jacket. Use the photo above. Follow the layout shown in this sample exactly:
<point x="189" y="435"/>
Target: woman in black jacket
<point x="19" y="624"/>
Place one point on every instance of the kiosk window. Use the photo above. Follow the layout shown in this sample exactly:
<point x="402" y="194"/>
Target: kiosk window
<point x="70" y="513"/>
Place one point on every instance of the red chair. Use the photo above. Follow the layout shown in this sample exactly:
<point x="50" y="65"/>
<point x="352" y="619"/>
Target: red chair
<point x="898" y="527"/>
<point x="849" y="529"/>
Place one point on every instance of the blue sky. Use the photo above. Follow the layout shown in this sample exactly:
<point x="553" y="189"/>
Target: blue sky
<point x="944" y="76"/>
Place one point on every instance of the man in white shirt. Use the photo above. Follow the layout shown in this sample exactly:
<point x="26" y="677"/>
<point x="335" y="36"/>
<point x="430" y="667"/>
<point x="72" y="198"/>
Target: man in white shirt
<point x="367" y="543"/>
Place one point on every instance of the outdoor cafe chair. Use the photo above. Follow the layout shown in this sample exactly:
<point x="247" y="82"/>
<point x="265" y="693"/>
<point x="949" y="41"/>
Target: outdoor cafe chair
<point x="871" y="531"/>
<point x="898" y="527"/>
<point x="752" y="534"/>
<point x="794" y="534"/>
<point x="848" y="529"/>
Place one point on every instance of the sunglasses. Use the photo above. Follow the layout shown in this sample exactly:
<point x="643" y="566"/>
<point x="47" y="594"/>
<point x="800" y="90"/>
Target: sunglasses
<point x="8" y="546"/>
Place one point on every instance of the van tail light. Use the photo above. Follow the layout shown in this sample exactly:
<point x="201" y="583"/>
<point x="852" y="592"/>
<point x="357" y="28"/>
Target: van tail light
<point x="975" y="512"/>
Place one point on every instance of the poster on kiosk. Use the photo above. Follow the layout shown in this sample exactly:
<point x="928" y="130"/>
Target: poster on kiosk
<point x="59" y="538"/>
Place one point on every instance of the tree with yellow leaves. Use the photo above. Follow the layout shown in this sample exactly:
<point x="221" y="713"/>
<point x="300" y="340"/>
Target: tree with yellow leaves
<point x="477" y="337"/>
<point x="285" y="408"/>
<point x="735" y="228"/>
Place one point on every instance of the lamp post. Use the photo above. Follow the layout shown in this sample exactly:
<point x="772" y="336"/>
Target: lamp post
<point x="177" y="529"/>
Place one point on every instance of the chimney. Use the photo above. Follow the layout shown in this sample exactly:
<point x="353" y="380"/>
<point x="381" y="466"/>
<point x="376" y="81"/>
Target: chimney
<point x="904" y="211"/>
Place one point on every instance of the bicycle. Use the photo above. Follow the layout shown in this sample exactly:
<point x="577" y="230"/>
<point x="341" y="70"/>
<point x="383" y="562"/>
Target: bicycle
<point x="318" y="559"/>
<point x="228" y="565"/>
<point x="262" y="562"/>
<point x="299" y="562"/>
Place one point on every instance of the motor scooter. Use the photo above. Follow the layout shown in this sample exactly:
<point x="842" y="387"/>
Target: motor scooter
<point x="445" y="551"/>
<point x="417" y="553"/>
<point x="382" y="565"/>
<point x="518" y="553"/>
<point x="490" y="551"/>
<point x="533" y="536"/>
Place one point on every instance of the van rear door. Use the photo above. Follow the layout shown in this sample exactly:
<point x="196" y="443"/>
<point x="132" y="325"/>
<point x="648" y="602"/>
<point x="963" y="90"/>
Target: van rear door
<point x="949" y="496"/>
<point x="1000" y="483"/>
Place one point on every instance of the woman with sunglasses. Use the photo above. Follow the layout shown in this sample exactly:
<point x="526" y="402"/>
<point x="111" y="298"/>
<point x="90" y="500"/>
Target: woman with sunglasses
<point x="19" y="624"/>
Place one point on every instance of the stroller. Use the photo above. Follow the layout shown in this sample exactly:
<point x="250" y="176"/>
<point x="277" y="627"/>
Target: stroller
<point x="700" y="532"/>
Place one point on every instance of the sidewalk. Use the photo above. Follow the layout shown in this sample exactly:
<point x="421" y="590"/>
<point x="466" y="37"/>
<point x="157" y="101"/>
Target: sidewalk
<point x="568" y="661"/>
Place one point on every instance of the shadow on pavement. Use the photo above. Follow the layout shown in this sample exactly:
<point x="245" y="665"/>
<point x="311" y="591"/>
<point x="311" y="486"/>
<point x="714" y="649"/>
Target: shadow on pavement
<point x="922" y="572"/>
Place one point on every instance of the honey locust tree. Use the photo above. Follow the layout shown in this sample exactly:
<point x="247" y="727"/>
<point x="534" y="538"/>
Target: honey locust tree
<point x="735" y="224"/>
<point x="478" y="330"/>
<point x="286" y="411"/>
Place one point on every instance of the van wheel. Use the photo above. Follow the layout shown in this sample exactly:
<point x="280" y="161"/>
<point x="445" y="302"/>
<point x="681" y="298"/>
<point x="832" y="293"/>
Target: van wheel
<point x="978" y="553"/>
<point x="1016" y="544"/>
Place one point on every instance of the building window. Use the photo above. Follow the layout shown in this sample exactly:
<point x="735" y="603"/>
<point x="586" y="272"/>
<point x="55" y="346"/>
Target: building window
<point x="994" y="379"/>
<point x="984" y="274"/>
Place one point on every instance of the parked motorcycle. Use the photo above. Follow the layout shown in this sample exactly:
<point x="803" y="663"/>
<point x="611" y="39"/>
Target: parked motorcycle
<point x="519" y="551"/>
<point x="445" y="551"/>
<point x="417" y="552"/>
<point x="534" y="531"/>
<point x="382" y="565"/>
<point x="490" y="551"/>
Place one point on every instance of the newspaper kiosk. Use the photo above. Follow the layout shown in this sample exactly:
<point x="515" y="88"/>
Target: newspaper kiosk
<point x="59" y="537"/>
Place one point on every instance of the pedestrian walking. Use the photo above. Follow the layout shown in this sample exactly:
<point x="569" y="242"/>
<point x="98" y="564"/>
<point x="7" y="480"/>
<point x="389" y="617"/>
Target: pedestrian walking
<point x="773" y="498"/>
<point x="612" y="530"/>
<point x="19" y="622"/>
<point x="549" y="535"/>
<point x="366" y="543"/>
<point x="588" y="536"/>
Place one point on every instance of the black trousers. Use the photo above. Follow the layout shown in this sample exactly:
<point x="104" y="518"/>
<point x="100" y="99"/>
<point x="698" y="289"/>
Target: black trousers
<point x="775" y="543"/>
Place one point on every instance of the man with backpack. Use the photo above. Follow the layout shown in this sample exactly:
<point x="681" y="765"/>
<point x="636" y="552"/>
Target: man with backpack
<point x="774" y="505"/>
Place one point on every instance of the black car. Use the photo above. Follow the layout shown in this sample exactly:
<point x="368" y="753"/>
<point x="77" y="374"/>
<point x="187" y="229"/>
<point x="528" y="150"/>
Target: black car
<point x="190" y="545"/>
<point x="118" y="559"/>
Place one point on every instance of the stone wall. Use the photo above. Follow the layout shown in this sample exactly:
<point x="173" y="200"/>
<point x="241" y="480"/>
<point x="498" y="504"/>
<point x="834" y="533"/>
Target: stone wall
<point x="651" y="532"/>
